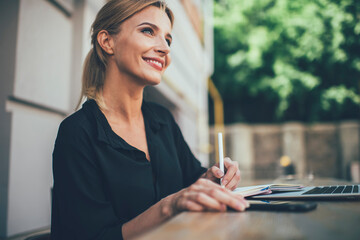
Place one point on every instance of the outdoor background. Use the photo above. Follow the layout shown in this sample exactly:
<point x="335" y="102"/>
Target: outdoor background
<point x="289" y="76"/>
<point x="278" y="60"/>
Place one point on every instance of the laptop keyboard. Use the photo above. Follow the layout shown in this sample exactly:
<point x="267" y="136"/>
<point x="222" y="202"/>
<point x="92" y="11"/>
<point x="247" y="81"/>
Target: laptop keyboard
<point x="344" y="189"/>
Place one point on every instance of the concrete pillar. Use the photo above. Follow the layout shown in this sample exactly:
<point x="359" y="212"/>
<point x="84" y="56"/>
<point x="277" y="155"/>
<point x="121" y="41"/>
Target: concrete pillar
<point x="322" y="147"/>
<point x="267" y="145"/>
<point x="349" y="133"/>
<point x="293" y="135"/>
<point x="240" y="143"/>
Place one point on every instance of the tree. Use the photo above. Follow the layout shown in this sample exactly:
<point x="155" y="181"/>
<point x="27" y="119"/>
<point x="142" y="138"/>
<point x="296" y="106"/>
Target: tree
<point x="279" y="60"/>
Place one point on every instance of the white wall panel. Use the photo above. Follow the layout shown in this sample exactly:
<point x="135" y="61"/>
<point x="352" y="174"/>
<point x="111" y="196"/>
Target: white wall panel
<point x="43" y="58"/>
<point x="189" y="130"/>
<point x="30" y="174"/>
<point x="186" y="71"/>
<point x="188" y="74"/>
<point x="185" y="32"/>
<point x="90" y="8"/>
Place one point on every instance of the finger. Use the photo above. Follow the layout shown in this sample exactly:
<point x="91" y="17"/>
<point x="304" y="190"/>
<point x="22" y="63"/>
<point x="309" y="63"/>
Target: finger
<point x="234" y="181"/>
<point x="206" y="201"/>
<point x="223" y="208"/>
<point x="216" y="172"/>
<point x="229" y="199"/>
<point x="204" y="186"/>
<point x="231" y="169"/>
<point x="206" y="183"/>
<point x="213" y="174"/>
<point x="203" y="183"/>
<point x="242" y="199"/>
<point x="188" y="205"/>
<point x="212" y="189"/>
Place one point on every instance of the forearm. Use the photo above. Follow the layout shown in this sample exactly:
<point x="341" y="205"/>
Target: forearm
<point x="152" y="217"/>
<point x="203" y="195"/>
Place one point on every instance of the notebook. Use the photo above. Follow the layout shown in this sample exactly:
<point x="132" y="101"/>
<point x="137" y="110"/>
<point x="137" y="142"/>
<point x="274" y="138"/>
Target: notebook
<point x="316" y="192"/>
<point x="266" y="189"/>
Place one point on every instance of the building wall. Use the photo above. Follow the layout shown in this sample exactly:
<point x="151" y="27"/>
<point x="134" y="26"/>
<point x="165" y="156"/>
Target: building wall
<point x="43" y="50"/>
<point x="8" y="24"/>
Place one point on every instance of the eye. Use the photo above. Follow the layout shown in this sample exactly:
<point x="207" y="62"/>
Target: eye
<point x="148" y="31"/>
<point x="168" y="42"/>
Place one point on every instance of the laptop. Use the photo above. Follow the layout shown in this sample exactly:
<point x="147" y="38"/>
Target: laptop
<point x="316" y="192"/>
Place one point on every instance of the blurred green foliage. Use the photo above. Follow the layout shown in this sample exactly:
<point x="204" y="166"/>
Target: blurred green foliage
<point x="284" y="60"/>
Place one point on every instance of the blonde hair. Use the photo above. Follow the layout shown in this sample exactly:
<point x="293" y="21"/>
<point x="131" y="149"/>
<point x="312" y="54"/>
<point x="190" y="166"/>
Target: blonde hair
<point x="109" y="18"/>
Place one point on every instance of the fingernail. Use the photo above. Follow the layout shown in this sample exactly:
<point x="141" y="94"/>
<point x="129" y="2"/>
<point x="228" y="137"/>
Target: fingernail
<point x="239" y="206"/>
<point x="219" y="173"/>
<point x="224" y="182"/>
<point x="247" y="204"/>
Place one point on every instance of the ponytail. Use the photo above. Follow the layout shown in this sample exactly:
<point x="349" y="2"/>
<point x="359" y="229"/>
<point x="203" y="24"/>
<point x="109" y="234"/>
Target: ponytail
<point x="92" y="79"/>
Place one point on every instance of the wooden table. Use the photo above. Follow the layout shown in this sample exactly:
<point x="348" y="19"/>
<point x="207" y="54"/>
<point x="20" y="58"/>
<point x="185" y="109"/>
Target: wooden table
<point x="331" y="220"/>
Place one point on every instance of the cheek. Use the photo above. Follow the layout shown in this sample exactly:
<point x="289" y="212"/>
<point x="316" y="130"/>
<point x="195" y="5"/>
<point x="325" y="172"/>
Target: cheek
<point x="167" y="60"/>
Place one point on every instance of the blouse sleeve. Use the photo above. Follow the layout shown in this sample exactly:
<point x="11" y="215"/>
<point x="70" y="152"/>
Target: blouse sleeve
<point x="190" y="166"/>
<point x="81" y="209"/>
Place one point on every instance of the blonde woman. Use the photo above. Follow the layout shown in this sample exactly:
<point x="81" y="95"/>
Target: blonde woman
<point x="121" y="165"/>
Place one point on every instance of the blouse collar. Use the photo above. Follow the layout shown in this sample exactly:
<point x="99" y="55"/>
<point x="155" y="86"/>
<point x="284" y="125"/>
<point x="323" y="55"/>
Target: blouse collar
<point x="107" y="135"/>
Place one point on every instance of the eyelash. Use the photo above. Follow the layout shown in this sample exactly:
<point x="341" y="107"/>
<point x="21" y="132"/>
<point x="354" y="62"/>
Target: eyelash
<point x="151" y="32"/>
<point x="168" y="42"/>
<point x="148" y="31"/>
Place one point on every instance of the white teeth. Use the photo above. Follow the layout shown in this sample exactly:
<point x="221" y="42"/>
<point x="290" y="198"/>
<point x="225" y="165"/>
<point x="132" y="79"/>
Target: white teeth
<point x="155" y="62"/>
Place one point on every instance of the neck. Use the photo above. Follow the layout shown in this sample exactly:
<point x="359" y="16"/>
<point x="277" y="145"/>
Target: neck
<point x="122" y="96"/>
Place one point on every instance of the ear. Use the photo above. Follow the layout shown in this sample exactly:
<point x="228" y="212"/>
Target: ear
<point x="106" y="41"/>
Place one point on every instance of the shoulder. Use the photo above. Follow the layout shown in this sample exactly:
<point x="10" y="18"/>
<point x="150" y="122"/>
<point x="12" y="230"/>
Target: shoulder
<point x="75" y="126"/>
<point x="74" y="120"/>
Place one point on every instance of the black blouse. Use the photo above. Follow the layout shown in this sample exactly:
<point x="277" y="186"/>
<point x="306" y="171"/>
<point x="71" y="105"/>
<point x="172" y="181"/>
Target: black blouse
<point x="101" y="182"/>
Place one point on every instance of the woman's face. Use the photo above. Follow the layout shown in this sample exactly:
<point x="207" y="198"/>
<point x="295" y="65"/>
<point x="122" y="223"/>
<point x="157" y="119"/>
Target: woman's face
<point x="142" y="47"/>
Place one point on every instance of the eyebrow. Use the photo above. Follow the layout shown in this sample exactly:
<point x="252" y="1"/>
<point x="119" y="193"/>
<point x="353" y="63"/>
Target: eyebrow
<point x="154" y="26"/>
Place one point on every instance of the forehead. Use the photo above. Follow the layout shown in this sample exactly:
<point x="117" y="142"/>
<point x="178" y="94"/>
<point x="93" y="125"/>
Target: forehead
<point x="152" y="15"/>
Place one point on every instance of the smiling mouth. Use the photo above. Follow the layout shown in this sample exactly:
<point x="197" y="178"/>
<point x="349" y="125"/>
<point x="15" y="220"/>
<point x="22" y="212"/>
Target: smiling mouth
<point x="154" y="63"/>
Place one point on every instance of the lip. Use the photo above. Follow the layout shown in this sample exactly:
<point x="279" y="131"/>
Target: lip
<point x="154" y="65"/>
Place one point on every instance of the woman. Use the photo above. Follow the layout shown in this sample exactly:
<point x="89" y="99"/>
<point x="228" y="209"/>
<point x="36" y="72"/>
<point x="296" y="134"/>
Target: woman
<point x="121" y="165"/>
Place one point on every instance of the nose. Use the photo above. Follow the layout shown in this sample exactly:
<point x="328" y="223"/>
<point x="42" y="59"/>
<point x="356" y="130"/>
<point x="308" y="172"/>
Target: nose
<point x="162" y="46"/>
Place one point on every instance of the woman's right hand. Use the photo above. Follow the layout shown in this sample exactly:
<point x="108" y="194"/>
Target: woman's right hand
<point x="205" y="195"/>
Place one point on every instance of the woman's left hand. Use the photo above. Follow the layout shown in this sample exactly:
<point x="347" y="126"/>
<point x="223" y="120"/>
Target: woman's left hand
<point x="232" y="174"/>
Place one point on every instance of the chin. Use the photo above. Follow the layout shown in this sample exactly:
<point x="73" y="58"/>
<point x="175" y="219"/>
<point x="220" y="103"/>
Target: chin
<point x="153" y="83"/>
<point x="153" y="80"/>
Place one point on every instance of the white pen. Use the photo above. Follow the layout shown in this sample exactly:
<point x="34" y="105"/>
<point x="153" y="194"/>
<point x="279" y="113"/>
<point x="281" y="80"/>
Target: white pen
<point x="221" y="155"/>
